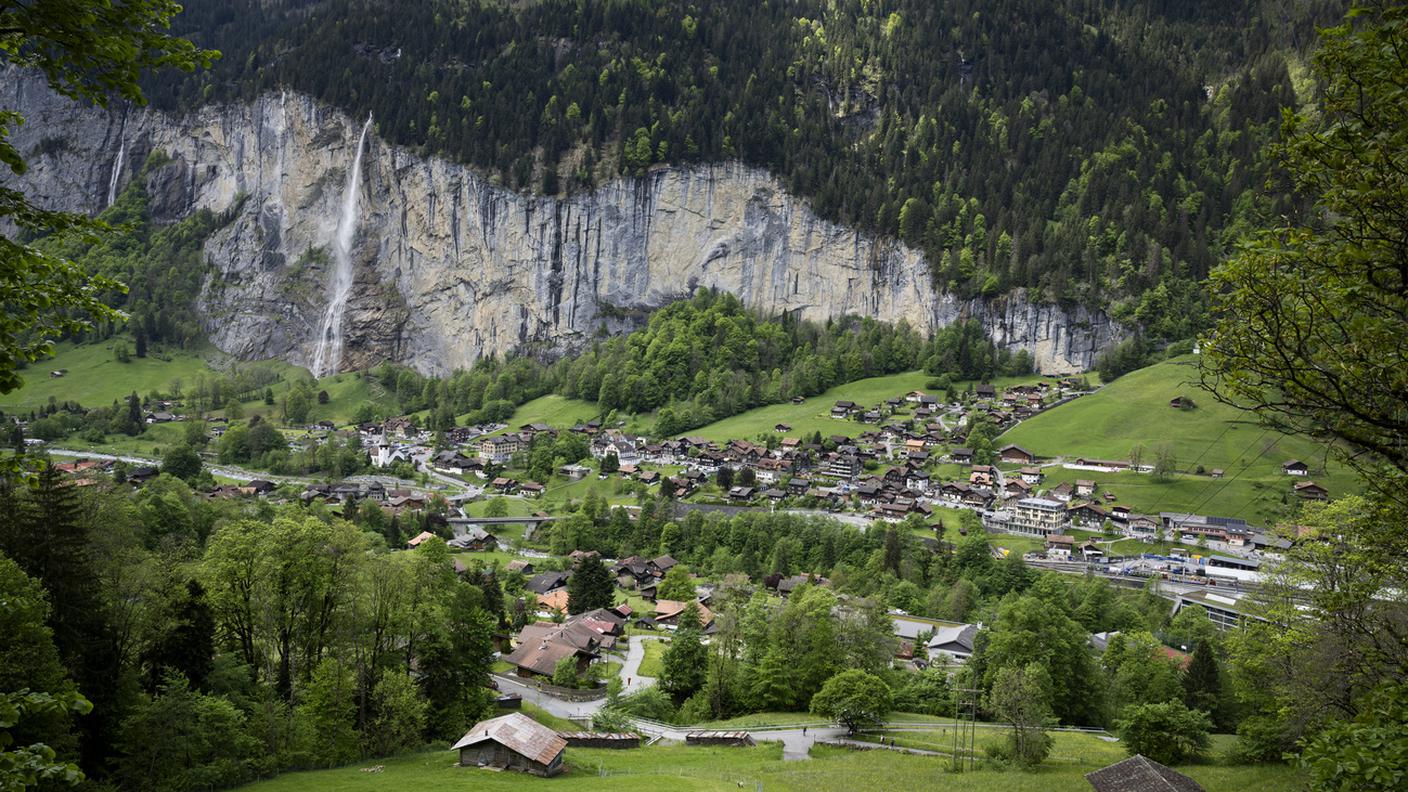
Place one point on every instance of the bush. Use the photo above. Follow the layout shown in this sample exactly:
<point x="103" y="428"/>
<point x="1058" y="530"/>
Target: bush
<point x="1168" y="732"/>
<point x="650" y="703"/>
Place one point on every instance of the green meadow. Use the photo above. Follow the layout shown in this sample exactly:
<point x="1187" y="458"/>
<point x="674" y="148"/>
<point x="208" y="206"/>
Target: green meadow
<point x="95" y="378"/>
<point x="559" y="412"/>
<point x="1133" y="411"/>
<point x="664" y="767"/>
<point x="814" y="414"/>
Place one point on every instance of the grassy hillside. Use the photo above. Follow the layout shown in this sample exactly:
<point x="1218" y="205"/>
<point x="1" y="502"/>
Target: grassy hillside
<point x="814" y="414"/>
<point x="693" y="768"/>
<point x="1134" y="411"/>
<point x="556" y="411"/>
<point x="95" y="377"/>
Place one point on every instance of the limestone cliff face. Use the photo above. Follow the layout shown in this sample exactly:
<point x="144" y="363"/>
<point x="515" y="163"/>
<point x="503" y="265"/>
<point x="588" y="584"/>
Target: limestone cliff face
<point x="450" y="267"/>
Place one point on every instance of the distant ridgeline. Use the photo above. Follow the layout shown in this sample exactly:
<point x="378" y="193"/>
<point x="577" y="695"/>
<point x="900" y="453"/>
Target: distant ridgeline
<point x="1098" y="151"/>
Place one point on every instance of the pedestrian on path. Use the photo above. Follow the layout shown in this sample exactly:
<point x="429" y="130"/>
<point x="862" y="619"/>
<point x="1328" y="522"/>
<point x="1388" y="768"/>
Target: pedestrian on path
<point x="804" y="731"/>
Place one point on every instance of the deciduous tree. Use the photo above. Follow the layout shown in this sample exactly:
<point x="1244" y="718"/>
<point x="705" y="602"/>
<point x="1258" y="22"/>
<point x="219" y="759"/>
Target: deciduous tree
<point x="856" y="699"/>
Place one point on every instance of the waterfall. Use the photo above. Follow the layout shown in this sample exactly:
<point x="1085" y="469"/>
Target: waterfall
<point x="117" y="167"/>
<point x="327" y="356"/>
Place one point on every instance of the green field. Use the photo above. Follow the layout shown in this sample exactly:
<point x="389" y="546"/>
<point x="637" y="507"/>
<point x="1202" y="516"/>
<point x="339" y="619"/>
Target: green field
<point x="660" y="768"/>
<point x="1133" y="411"/>
<point x="814" y="414"/>
<point x="556" y="411"/>
<point x="95" y="378"/>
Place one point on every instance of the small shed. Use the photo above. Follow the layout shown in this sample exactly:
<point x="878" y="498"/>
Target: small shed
<point x="584" y="739"/>
<point x="1141" y="774"/>
<point x="733" y="738"/>
<point x="512" y="742"/>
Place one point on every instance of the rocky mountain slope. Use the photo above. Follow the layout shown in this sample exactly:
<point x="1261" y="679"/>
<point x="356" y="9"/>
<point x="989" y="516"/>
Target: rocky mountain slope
<point x="450" y="268"/>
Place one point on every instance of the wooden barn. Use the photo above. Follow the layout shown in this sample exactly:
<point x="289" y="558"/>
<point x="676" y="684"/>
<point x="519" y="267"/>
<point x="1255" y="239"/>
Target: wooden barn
<point x="512" y="742"/>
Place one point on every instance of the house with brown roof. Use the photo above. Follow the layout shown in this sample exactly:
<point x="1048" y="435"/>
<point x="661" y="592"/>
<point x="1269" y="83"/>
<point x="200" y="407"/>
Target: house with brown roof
<point x="1310" y="490"/>
<point x="542" y="645"/>
<point x="668" y="612"/>
<point x="512" y="742"/>
<point x="419" y="539"/>
<point x="555" y="600"/>
<point x="1016" y="454"/>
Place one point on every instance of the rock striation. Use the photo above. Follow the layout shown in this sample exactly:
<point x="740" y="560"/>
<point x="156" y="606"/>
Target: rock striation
<point x="450" y="267"/>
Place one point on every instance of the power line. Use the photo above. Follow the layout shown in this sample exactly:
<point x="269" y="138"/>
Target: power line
<point x="1238" y="474"/>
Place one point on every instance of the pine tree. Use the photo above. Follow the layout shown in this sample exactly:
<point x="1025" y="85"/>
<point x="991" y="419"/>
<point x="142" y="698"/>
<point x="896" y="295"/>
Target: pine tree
<point x="590" y="587"/>
<point x="79" y="617"/>
<point x="132" y="424"/>
<point x="1202" y="682"/>
<point x="893" y="552"/>
<point x="686" y="662"/>
<point x="189" y="646"/>
<point x="772" y="683"/>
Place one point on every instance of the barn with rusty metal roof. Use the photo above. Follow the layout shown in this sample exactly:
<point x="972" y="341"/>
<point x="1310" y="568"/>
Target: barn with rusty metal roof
<point x="512" y="742"/>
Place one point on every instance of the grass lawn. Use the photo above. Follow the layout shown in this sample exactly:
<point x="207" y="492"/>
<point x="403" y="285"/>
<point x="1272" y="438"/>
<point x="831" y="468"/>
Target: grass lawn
<point x="1133" y="411"/>
<point x="654" y="662"/>
<point x="1068" y="748"/>
<point x="151" y="443"/>
<point x="1017" y="544"/>
<point x="95" y="377"/>
<point x="556" y="411"/>
<point x="490" y="558"/>
<point x="709" y="768"/>
<point x="516" y="507"/>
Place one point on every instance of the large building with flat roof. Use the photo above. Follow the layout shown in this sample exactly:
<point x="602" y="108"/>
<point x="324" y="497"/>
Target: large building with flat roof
<point x="1038" y="516"/>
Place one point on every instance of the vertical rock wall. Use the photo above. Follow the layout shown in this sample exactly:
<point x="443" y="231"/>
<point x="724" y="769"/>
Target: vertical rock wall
<point x="451" y="267"/>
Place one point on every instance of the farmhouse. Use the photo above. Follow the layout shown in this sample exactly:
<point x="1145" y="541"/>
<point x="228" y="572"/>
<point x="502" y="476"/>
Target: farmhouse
<point x="1103" y="464"/>
<point x="543" y="582"/>
<point x="1295" y="467"/>
<point x="1310" y="490"/>
<point x="512" y="742"/>
<point x="1015" y="454"/>
<point x="1060" y="545"/>
<point x="668" y="612"/>
<point x="476" y="539"/>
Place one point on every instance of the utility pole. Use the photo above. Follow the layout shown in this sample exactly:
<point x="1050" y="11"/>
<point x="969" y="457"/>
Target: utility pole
<point x="965" y="728"/>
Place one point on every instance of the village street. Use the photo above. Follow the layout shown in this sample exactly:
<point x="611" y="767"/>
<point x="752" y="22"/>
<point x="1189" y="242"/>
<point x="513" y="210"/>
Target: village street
<point x="631" y="680"/>
<point x="562" y="708"/>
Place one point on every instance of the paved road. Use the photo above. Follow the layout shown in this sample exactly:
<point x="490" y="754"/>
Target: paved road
<point x="797" y="743"/>
<point x="241" y="474"/>
<point x="450" y="482"/>
<point x="631" y="679"/>
<point x="230" y="472"/>
<point x="576" y="710"/>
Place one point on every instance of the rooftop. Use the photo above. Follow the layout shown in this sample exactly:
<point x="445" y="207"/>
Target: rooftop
<point x="520" y="734"/>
